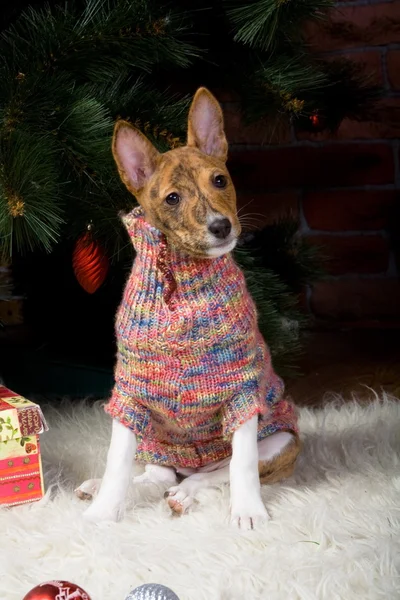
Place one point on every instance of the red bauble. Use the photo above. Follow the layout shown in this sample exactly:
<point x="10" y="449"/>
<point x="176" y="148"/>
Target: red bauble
<point x="57" y="590"/>
<point x="317" y="122"/>
<point x="90" y="263"/>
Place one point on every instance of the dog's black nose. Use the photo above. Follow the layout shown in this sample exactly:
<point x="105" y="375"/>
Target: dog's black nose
<point x="221" y="228"/>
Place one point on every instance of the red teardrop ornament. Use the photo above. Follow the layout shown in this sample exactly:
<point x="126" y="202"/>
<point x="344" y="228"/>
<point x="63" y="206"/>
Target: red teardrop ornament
<point x="90" y="263"/>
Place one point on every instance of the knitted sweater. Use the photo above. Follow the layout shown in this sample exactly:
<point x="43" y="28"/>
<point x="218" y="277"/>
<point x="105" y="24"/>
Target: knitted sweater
<point x="192" y="365"/>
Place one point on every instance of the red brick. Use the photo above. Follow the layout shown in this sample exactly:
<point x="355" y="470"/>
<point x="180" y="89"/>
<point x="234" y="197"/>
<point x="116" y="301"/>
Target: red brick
<point x="384" y="122"/>
<point x="369" y="63"/>
<point x="260" y="209"/>
<point x="296" y="166"/>
<point x="349" y="210"/>
<point x="354" y="26"/>
<point x="358" y="254"/>
<point x="354" y="299"/>
<point x="393" y="68"/>
<point x="256" y="133"/>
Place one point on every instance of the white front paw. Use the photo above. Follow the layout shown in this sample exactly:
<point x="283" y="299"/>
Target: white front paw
<point x="88" y="489"/>
<point x="248" y="513"/>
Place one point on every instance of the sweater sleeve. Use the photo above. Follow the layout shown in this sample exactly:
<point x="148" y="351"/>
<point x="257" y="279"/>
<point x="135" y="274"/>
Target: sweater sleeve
<point x="238" y="411"/>
<point x="256" y="397"/>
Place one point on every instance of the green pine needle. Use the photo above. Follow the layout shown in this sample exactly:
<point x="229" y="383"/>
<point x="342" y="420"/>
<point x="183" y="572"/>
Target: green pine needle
<point x="263" y="23"/>
<point x="30" y="210"/>
<point x="293" y="75"/>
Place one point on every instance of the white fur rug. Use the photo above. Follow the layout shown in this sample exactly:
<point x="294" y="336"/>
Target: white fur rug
<point x="334" y="533"/>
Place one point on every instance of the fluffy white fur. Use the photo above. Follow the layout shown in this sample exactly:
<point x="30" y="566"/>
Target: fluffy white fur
<point x="334" y="531"/>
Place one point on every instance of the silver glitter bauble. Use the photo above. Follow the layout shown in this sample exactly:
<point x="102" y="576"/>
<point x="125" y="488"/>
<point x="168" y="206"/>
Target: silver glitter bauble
<point x="152" y="591"/>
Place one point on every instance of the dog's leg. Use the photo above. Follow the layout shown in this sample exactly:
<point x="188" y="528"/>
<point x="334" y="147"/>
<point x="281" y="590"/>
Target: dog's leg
<point x="247" y="508"/>
<point x="108" y="505"/>
<point x="276" y="457"/>
<point x="153" y="474"/>
<point x="164" y="476"/>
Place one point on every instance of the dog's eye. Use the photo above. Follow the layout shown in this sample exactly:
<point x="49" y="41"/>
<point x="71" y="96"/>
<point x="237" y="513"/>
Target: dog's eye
<point x="220" y="181"/>
<point x="173" y="199"/>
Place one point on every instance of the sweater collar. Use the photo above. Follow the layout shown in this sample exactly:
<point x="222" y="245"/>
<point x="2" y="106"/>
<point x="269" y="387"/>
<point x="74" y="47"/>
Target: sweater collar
<point x="176" y="268"/>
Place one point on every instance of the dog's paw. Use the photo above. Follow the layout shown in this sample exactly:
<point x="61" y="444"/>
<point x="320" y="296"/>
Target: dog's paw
<point x="144" y="478"/>
<point x="250" y="514"/>
<point x="178" y="499"/>
<point x="88" y="489"/>
<point x="99" y="512"/>
<point x="155" y="474"/>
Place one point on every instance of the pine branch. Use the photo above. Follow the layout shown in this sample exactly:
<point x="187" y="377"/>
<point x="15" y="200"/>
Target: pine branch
<point x="30" y="211"/>
<point x="279" y="87"/>
<point x="65" y="76"/>
<point x="133" y="34"/>
<point x="279" y="248"/>
<point x="277" y="263"/>
<point x="349" y="90"/>
<point x="279" y="318"/>
<point x="262" y="24"/>
<point x="84" y="133"/>
<point x="291" y="87"/>
<point x="161" y="116"/>
<point x="348" y="93"/>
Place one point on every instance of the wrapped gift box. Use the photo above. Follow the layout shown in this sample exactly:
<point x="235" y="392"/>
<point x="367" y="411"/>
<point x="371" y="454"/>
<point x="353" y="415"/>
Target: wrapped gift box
<point x="21" y="423"/>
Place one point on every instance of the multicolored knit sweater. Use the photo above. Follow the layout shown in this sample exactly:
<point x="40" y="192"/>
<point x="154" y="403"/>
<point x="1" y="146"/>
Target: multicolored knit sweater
<point x="192" y="365"/>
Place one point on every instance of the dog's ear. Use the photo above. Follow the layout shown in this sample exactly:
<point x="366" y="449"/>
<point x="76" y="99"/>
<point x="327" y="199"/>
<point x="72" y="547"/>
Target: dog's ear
<point x="206" y="125"/>
<point x="135" y="155"/>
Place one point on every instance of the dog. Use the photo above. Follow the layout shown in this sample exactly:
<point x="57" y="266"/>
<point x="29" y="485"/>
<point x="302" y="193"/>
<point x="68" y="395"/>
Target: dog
<point x="196" y="398"/>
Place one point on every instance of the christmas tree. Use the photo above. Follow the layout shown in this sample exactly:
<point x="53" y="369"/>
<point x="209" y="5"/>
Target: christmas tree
<point x="68" y="71"/>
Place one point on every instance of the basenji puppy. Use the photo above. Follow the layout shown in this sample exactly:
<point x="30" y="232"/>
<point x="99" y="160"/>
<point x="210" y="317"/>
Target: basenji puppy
<point x="196" y="398"/>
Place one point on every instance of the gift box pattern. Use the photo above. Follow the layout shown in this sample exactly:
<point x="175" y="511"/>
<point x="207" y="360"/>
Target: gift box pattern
<point x="21" y="475"/>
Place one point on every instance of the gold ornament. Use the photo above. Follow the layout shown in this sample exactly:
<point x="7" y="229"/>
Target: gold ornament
<point x="292" y="104"/>
<point x="16" y="206"/>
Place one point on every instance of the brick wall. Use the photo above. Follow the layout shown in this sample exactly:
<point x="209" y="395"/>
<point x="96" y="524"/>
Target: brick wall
<point x="345" y="188"/>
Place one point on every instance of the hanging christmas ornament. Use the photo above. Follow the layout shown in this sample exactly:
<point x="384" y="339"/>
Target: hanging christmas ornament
<point x="152" y="591"/>
<point x="89" y="262"/>
<point x="57" y="590"/>
<point x="317" y="122"/>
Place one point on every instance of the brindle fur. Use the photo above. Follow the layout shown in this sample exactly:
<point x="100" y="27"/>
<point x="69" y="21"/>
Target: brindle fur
<point x="188" y="171"/>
